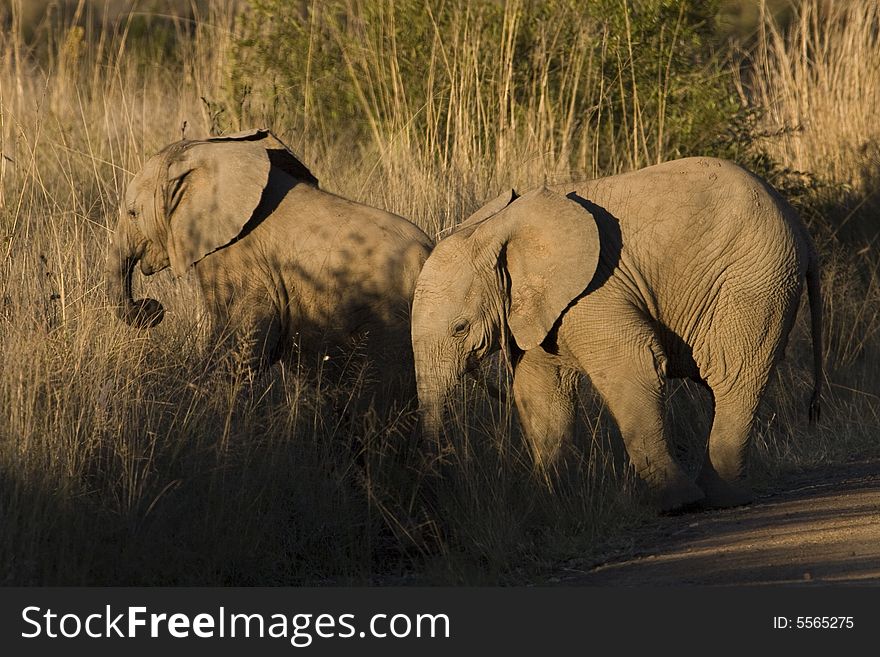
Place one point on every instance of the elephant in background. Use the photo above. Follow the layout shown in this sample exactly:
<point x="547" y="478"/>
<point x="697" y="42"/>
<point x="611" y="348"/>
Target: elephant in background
<point x="286" y="269"/>
<point x="688" y="269"/>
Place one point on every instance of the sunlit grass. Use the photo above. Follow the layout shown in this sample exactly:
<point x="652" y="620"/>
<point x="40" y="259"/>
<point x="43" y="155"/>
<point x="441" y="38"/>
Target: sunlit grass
<point x="125" y="460"/>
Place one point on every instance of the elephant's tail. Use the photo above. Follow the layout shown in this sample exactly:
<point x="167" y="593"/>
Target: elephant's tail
<point x="814" y="291"/>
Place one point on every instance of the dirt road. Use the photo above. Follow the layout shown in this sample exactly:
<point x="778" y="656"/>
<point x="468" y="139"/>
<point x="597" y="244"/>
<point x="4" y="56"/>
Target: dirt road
<point x="820" y="527"/>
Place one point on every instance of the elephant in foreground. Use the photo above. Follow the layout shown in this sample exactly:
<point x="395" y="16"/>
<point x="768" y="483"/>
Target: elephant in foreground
<point x="286" y="270"/>
<point x="688" y="269"/>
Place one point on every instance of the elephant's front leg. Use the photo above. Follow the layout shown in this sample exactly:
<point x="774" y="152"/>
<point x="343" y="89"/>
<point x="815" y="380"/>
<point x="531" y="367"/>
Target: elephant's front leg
<point x="631" y="379"/>
<point x="246" y="326"/>
<point x="545" y="396"/>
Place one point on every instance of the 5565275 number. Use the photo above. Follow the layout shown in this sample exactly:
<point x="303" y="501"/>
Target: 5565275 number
<point x="814" y="622"/>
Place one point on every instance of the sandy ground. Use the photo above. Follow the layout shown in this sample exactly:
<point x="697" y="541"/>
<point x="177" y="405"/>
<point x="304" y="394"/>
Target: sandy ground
<point x="820" y="527"/>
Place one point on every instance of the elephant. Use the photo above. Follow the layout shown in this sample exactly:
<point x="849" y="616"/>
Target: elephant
<point x="692" y="268"/>
<point x="286" y="270"/>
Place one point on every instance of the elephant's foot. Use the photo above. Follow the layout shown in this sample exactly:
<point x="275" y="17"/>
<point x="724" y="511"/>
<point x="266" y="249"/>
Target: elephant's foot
<point x="679" y="496"/>
<point x="721" y="494"/>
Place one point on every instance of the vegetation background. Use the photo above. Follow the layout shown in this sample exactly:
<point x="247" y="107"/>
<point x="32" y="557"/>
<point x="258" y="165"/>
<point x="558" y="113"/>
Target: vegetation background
<point x="122" y="462"/>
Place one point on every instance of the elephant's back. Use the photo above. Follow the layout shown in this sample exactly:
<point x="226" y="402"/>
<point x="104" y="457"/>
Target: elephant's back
<point x="691" y="208"/>
<point x="693" y="237"/>
<point x="328" y="231"/>
<point x="343" y="266"/>
<point x="391" y="248"/>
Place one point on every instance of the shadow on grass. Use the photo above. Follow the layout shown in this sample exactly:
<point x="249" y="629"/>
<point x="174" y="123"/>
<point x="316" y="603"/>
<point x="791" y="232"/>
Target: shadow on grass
<point x="268" y="484"/>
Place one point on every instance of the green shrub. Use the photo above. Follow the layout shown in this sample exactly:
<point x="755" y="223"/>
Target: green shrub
<point x="605" y="85"/>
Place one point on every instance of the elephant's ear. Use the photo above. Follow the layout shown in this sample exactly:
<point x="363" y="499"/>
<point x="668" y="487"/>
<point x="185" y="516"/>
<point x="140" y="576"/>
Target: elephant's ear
<point x="280" y="155"/>
<point x="491" y="208"/>
<point x="549" y="247"/>
<point x="213" y="189"/>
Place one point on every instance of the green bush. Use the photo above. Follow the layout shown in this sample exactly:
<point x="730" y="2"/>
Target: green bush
<point x="618" y="84"/>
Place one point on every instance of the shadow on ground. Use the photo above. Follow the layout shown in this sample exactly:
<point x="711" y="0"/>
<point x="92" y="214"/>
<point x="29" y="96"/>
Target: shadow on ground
<point x="821" y="527"/>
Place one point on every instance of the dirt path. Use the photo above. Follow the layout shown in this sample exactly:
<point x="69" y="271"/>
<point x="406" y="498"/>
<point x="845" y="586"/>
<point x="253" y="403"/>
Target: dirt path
<point x="821" y="527"/>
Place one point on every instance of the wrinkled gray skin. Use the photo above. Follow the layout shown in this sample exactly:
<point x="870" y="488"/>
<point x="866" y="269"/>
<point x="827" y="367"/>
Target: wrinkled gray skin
<point x="688" y="269"/>
<point x="286" y="269"/>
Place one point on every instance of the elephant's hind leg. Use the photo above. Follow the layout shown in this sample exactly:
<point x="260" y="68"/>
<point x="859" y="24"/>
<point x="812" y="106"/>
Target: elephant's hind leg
<point x="725" y="460"/>
<point x="743" y="355"/>
<point x="545" y="396"/>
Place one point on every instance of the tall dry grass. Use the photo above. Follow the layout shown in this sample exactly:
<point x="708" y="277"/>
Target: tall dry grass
<point x="818" y="83"/>
<point x="122" y="460"/>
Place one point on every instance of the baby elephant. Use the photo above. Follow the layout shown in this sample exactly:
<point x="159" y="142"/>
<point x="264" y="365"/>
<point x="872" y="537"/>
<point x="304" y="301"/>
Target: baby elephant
<point x="693" y="268"/>
<point x="286" y="269"/>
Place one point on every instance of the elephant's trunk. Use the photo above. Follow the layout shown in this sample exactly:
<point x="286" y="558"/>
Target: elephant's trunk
<point x="434" y="382"/>
<point x="435" y="445"/>
<point x="125" y="252"/>
<point x="432" y="418"/>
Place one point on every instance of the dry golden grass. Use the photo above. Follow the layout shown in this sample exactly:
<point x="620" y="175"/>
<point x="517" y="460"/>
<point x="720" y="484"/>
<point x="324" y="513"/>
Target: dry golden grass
<point x="122" y="463"/>
<point x="819" y="85"/>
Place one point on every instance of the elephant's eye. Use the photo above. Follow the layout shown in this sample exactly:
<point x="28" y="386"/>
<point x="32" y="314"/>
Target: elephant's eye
<point x="461" y="328"/>
<point x="132" y="213"/>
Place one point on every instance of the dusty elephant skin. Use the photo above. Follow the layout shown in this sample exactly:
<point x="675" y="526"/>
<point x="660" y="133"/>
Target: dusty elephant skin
<point x="285" y="268"/>
<point x="688" y="269"/>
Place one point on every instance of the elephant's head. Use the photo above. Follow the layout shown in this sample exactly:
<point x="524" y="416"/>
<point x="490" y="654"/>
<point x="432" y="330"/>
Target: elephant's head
<point x="507" y="273"/>
<point x="189" y="200"/>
